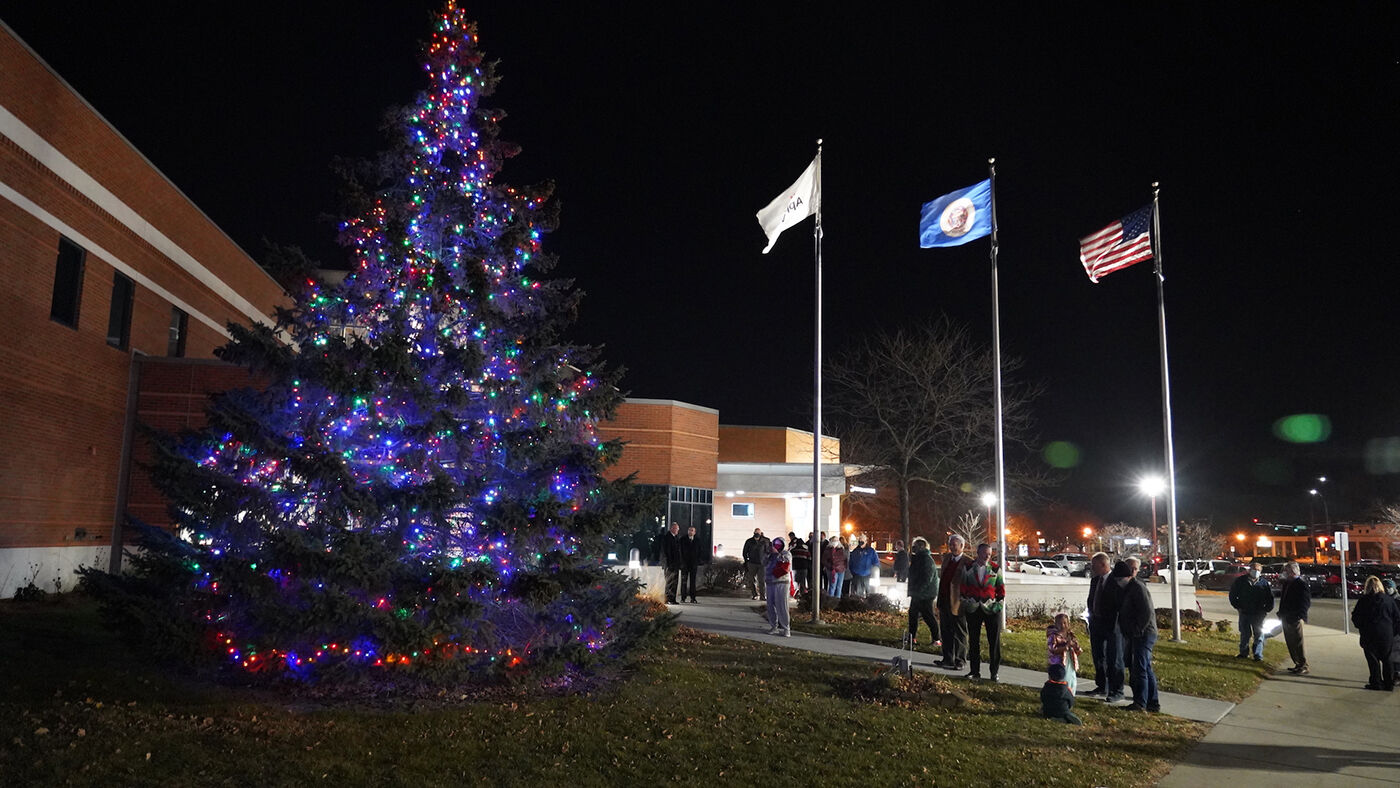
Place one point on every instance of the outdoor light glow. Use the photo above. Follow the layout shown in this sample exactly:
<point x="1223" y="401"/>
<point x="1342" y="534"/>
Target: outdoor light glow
<point x="989" y="499"/>
<point x="1061" y="454"/>
<point x="1152" y="486"/>
<point x="1303" y="428"/>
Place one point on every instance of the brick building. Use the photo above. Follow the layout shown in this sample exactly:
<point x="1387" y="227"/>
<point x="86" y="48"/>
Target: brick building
<point x="107" y="263"/>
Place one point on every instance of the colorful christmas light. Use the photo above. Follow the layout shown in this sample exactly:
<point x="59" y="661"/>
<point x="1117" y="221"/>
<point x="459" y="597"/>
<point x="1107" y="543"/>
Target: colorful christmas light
<point x="427" y="429"/>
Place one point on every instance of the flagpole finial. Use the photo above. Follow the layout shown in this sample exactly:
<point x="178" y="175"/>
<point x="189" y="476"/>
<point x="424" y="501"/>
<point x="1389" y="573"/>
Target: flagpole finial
<point x="992" y="160"/>
<point x="819" y="141"/>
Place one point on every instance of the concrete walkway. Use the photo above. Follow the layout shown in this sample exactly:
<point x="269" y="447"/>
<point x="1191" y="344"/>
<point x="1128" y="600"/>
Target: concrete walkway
<point x="739" y="617"/>
<point x="1322" y="729"/>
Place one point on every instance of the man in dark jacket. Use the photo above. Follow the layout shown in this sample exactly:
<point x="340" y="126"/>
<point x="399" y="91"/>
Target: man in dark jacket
<point x="923" y="589"/>
<point x="1250" y="594"/>
<point x="671" y="560"/>
<point x="690" y="564"/>
<point x="755" y="552"/>
<point x="1293" y="604"/>
<point x="1105" y="641"/>
<point x="1137" y="620"/>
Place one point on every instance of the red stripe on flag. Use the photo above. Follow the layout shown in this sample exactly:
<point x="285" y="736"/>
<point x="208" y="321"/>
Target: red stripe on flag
<point x="1106" y="251"/>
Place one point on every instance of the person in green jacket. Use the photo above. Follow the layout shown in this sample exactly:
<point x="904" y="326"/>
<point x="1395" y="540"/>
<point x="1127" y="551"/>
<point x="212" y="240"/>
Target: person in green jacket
<point x="923" y="589"/>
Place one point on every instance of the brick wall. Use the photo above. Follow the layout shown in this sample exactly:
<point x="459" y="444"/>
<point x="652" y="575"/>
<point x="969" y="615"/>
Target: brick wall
<point x="669" y="443"/>
<point x="772" y="444"/>
<point x="66" y="388"/>
<point x="172" y="397"/>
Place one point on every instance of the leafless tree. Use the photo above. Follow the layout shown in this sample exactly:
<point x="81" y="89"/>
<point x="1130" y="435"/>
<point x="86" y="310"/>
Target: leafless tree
<point x="1389" y="528"/>
<point x="970" y="527"/>
<point x="1198" y="540"/>
<point x="1114" y="534"/>
<point x="918" y="405"/>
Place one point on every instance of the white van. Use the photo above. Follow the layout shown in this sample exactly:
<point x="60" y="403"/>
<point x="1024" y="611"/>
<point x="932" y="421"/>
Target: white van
<point x="1189" y="567"/>
<point x="1076" y="563"/>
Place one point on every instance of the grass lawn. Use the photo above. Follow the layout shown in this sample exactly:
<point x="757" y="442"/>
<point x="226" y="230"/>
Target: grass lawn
<point x="1203" y="666"/>
<point x="702" y="710"/>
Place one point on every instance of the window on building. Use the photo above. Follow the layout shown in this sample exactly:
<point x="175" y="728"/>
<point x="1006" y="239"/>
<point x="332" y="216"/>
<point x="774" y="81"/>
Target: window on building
<point x="119" y="319"/>
<point x="67" y="283"/>
<point x="179" y="326"/>
<point x="741" y="511"/>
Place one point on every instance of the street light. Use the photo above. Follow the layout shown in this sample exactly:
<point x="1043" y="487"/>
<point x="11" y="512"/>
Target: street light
<point x="1152" y="486"/>
<point x="1326" y="518"/>
<point x="989" y="499"/>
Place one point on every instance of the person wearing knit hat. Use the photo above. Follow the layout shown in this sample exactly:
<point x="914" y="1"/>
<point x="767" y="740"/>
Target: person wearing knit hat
<point x="777" y="575"/>
<point x="1056" y="701"/>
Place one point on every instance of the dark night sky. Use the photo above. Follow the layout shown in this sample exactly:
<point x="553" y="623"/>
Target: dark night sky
<point x="1272" y="130"/>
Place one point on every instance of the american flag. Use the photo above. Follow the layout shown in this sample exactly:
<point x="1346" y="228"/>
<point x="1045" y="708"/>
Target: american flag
<point x="1119" y="245"/>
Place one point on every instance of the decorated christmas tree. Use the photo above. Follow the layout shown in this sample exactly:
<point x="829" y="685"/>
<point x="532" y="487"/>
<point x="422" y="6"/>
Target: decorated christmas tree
<point x="418" y="490"/>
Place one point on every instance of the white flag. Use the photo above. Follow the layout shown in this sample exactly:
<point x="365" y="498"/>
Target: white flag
<point x="792" y="206"/>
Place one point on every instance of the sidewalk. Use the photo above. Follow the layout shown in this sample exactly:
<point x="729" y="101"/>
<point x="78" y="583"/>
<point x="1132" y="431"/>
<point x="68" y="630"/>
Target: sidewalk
<point x="1321" y="729"/>
<point x="738" y="617"/>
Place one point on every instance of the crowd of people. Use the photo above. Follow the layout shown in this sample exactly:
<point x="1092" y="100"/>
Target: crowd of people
<point x="967" y="593"/>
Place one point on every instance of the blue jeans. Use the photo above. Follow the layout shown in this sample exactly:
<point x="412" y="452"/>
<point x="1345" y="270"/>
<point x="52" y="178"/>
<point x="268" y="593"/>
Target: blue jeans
<point x="1252" y="625"/>
<point x="836" y="579"/>
<point x="1140" y="677"/>
<point x="1106" y="644"/>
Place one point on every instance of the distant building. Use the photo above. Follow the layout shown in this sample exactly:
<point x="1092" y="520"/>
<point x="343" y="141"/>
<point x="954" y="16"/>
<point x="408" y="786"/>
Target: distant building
<point x="724" y="480"/>
<point x="1367" y="541"/>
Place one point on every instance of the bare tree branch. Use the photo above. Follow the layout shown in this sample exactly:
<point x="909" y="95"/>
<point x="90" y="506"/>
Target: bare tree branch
<point x="918" y="405"/>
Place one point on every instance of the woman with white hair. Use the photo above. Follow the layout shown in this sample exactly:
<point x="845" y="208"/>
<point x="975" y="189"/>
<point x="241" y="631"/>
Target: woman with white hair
<point x="1377" y="618"/>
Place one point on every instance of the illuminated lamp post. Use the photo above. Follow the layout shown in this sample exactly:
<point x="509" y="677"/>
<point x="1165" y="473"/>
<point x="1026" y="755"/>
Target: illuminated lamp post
<point x="1152" y="486"/>
<point x="989" y="499"/>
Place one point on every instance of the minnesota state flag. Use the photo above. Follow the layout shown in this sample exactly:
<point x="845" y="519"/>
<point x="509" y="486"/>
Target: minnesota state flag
<point x="957" y="217"/>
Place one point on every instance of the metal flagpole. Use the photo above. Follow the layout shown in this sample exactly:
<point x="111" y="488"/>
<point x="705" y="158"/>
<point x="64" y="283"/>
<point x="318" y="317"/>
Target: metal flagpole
<point x="816" y="582"/>
<point x="996" y="385"/>
<point x="1166" y="414"/>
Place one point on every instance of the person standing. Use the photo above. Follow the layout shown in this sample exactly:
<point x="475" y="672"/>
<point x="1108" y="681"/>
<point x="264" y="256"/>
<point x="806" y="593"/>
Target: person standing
<point x="1377" y="619"/>
<point x="1105" y="641"/>
<point x="834" y="561"/>
<point x="1250" y="594"/>
<point x="1137" y="620"/>
<point x="801" y="565"/>
<point x="777" y="575"/>
<point x="901" y="562"/>
<point x="671" y="560"/>
<point x="755" y="553"/>
<point x="982" y="597"/>
<point x="950" y="605"/>
<point x="923" y="590"/>
<point x="690" y="564"/>
<point x="1293" y="604"/>
<point x="864" y="559"/>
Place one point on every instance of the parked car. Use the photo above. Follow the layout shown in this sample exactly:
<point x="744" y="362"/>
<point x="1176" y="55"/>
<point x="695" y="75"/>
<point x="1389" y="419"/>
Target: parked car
<point x="1222" y="579"/>
<point x="1076" y="563"/>
<point x="1201" y="566"/>
<point x="1324" y="580"/>
<point x="1044" y="566"/>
